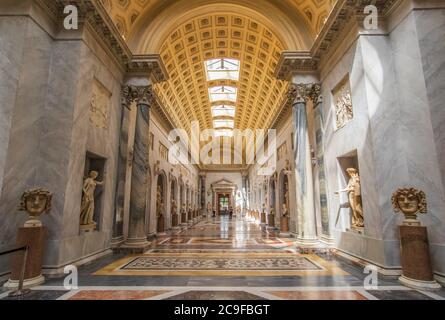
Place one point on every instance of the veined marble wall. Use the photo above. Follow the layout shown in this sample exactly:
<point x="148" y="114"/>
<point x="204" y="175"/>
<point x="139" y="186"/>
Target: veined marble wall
<point x="189" y="171"/>
<point x="392" y="134"/>
<point x="50" y="133"/>
<point x="284" y="136"/>
<point x="430" y="28"/>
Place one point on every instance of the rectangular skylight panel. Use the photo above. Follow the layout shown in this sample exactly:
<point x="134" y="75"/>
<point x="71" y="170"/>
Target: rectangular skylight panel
<point x="223" y="123"/>
<point x="223" y="111"/>
<point x="223" y="93"/>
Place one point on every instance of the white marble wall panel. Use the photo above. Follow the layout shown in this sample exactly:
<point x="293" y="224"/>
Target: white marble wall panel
<point x="27" y="81"/>
<point x="12" y="41"/>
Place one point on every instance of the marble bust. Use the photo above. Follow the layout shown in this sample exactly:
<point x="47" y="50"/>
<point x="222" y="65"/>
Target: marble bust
<point x="410" y="202"/>
<point x="35" y="202"/>
<point x="88" y="201"/>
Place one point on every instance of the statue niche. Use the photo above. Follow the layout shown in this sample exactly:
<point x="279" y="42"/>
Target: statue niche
<point x="88" y="202"/>
<point x="355" y="199"/>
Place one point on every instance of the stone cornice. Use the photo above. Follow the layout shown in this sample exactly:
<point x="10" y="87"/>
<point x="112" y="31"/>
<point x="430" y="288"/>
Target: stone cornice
<point x="343" y="11"/>
<point x="93" y="13"/>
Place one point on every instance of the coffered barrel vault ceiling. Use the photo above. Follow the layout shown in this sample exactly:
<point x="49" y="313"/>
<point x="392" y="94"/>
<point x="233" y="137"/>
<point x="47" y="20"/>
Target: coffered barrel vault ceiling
<point x="222" y="36"/>
<point x="126" y="13"/>
<point x="225" y="29"/>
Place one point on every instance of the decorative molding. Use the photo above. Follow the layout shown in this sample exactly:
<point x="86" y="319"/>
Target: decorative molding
<point x="342" y="12"/>
<point x="92" y="12"/>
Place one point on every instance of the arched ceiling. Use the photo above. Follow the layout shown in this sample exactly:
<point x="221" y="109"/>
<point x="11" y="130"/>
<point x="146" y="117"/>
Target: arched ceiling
<point x="134" y="16"/>
<point x="221" y="36"/>
<point x="186" y="33"/>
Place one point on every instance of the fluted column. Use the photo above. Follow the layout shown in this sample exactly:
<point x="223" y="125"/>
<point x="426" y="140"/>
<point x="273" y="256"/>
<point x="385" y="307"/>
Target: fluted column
<point x="303" y="165"/>
<point x="320" y="177"/>
<point x="140" y="170"/>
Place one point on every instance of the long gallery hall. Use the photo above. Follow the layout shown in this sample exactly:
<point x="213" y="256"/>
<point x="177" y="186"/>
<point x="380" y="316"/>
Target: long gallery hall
<point x="222" y="150"/>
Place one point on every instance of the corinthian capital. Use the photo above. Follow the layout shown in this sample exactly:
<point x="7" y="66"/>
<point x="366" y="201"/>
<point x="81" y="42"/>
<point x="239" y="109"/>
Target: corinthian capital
<point x="299" y="93"/>
<point x="315" y="94"/>
<point x="142" y="94"/>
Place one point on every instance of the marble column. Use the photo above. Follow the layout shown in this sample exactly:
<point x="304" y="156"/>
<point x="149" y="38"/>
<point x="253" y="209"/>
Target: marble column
<point x="118" y="223"/>
<point x="303" y="165"/>
<point x="203" y="193"/>
<point x="137" y="237"/>
<point x="320" y="176"/>
<point x="244" y="193"/>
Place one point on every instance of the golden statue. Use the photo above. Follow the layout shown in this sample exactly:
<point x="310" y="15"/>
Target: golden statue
<point x="410" y="202"/>
<point x="35" y="202"/>
<point x="355" y="198"/>
<point x="87" y="207"/>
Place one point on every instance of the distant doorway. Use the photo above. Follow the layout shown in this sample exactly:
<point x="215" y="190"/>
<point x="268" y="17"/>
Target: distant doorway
<point x="223" y="204"/>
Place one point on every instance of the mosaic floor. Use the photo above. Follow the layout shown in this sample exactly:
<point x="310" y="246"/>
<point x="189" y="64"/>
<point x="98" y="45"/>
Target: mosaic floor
<point x="224" y="259"/>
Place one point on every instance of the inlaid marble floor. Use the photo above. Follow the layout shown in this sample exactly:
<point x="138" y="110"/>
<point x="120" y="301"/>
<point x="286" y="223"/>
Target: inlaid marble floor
<point x="225" y="259"/>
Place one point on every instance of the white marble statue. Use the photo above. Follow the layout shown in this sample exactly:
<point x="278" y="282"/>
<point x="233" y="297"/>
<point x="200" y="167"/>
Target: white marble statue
<point x="355" y="199"/>
<point x="87" y="207"/>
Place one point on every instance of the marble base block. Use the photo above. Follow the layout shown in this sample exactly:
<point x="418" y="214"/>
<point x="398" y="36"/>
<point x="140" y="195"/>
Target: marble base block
<point x="35" y="239"/>
<point x="271" y="220"/>
<point x="263" y="217"/>
<point x="415" y="257"/>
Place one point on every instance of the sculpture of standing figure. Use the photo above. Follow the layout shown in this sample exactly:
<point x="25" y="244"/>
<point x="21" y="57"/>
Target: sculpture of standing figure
<point x="159" y="202"/>
<point x="355" y="198"/>
<point x="87" y="208"/>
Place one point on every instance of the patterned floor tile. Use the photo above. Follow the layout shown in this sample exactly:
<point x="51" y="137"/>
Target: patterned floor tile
<point x="215" y="295"/>
<point x="115" y="295"/>
<point x="318" y="295"/>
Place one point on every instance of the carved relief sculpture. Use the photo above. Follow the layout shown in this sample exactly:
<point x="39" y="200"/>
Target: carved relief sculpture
<point x="355" y="199"/>
<point x="88" y="201"/>
<point x="410" y="202"/>
<point x="343" y="106"/>
<point x="35" y="202"/>
<point x="99" y="106"/>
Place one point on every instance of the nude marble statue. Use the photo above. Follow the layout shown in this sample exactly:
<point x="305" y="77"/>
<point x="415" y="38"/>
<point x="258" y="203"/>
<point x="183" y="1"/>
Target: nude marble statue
<point x="88" y="201"/>
<point x="355" y="199"/>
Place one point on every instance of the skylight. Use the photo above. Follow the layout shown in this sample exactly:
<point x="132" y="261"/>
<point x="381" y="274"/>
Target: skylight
<point x="223" y="124"/>
<point x="224" y="133"/>
<point x="222" y="69"/>
<point x="223" y="111"/>
<point x="223" y="93"/>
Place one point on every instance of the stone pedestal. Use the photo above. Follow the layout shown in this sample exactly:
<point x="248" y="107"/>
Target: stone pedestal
<point x="88" y="227"/>
<point x="174" y="220"/>
<point x="271" y="220"/>
<point x="35" y="239"/>
<point x="161" y="227"/>
<point x="284" y="224"/>
<point x="263" y="217"/>
<point x="415" y="257"/>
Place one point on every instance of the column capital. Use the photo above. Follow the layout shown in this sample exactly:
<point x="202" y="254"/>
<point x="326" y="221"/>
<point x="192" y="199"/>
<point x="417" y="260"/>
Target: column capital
<point x="315" y="94"/>
<point x="142" y="95"/>
<point x="302" y="93"/>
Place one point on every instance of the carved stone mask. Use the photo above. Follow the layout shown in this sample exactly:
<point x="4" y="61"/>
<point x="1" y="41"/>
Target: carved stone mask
<point x="409" y="201"/>
<point x="36" y="201"/>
